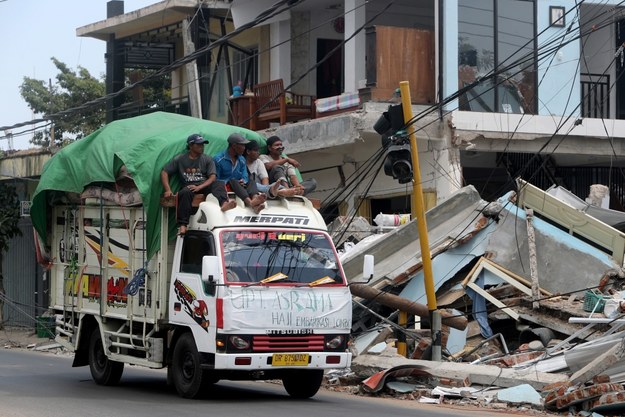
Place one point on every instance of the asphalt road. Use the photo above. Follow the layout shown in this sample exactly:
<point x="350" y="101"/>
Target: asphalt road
<point x="35" y="384"/>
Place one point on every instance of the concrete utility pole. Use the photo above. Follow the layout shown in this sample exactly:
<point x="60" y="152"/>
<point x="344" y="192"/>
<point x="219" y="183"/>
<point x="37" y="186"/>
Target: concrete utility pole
<point x="418" y="213"/>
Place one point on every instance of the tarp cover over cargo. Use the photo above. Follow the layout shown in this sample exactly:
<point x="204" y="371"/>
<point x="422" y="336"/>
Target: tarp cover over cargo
<point x="144" y="144"/>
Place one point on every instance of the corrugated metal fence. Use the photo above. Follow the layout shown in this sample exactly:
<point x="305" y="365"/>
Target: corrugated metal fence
<point x="25" y="288"/>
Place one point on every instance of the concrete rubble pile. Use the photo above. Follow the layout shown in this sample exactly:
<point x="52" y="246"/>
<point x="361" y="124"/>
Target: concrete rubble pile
<point x="531" y="293"/>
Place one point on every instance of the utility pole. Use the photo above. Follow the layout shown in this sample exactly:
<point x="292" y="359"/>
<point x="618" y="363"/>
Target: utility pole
<point x="418" y="213"/>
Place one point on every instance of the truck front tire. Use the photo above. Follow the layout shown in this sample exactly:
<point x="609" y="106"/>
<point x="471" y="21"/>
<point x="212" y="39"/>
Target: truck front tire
<point x="186" y="371"/>
<point x="103" y="370"/>
<point x="302" y="384"/>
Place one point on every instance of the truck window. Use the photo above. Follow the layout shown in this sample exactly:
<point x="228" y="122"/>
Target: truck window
<point x="299" y="257"/>
<point x="195" y="246"/>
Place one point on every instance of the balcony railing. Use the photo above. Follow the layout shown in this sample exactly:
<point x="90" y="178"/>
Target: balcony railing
<point x="595" y="95"/>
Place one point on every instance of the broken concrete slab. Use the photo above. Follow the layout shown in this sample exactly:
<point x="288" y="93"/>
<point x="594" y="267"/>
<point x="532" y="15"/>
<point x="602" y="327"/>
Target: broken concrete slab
<point x="398" y="252"/>
<point x="520" y="394"/>
<point x="569" y="262"/>
<point x="365" y="342"/>
<point x="584" y="353"/>
<point x="579" y="264"/>
<point x="602" y="362"/>
<point x="477" y="374"/>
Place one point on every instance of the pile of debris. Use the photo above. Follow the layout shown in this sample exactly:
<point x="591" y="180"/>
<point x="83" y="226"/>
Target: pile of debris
<point x="530" y="290"/>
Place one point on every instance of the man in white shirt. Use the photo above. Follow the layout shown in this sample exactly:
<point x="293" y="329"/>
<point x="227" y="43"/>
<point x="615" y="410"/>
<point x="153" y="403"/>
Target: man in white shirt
<point x="259" y="174"/>
<point x="281" y="168"/>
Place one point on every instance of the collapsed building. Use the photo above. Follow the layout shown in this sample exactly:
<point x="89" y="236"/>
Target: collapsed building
<point x="529" y="288"/>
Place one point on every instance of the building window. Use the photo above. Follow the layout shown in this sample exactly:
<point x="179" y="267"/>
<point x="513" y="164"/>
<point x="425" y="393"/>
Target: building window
<point x="497" y="36"/>
<point x="245" y="67"/>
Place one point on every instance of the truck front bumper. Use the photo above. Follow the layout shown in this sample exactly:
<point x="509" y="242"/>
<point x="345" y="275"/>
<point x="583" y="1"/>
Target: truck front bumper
<point x="267" y="361"/>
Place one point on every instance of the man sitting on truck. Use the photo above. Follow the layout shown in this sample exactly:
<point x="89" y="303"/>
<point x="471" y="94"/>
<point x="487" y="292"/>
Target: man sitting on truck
<point x="197" y="175"/>
<point x="258" y="173"/>
<point x="232" y="169"/>
<point x="282" y="168"/>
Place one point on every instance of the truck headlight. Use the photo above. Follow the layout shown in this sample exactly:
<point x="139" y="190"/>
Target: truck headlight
<point x="335" y="342"/>
<point x="239" y="342"/>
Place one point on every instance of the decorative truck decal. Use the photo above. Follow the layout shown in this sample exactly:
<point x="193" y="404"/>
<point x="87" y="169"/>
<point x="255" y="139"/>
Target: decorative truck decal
<point x="88" y="284"/>
<point x="196" y="309"/>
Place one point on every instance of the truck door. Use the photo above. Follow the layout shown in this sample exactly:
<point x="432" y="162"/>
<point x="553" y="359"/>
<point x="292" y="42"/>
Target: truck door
<point x="190" y="304"/>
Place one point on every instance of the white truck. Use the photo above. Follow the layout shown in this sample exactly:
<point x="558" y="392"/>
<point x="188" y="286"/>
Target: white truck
<point x="239" y="296"/>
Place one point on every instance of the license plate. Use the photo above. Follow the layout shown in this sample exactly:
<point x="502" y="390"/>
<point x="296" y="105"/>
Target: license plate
<point x="289" y="359"/>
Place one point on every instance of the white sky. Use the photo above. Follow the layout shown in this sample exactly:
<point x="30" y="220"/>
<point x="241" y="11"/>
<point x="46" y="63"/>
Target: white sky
<point x="33" y="31"/>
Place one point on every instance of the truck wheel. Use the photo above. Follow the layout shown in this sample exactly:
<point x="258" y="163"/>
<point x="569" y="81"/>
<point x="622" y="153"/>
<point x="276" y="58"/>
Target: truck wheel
<point x="103" y="370"/>
<point x="302" y="384"/>
<point x="187" y="374"/>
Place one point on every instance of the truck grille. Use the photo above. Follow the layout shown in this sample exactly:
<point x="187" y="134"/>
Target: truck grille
<point x="291" y="343"/>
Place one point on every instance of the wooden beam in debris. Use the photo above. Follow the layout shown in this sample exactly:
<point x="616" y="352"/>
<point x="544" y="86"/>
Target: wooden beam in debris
<point x="409" y="306"/>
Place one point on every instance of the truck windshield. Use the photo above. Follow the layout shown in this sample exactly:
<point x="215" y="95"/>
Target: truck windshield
<point x="264" y="257"/>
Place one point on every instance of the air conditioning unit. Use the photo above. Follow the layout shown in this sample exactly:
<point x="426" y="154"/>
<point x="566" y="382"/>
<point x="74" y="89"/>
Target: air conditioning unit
<point x="25" y="208"/>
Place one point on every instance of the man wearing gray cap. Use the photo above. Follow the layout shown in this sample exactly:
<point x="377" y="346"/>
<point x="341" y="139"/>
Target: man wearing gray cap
<point x="232" y="169"/>
<point x="197" y="175"/>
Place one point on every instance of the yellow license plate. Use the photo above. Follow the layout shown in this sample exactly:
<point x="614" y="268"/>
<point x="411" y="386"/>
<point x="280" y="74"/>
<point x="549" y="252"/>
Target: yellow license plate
<point x="289" y="359"/>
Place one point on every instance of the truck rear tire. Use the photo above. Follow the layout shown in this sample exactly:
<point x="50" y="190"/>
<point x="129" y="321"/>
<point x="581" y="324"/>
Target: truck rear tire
<point x="103" y="370"/>
<point x="302" y="384"/>
<point x="186" y="371"/>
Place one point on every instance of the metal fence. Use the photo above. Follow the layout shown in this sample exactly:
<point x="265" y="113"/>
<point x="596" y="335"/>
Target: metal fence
<point x="595" y="95"/>
<point x="26" y="290"/>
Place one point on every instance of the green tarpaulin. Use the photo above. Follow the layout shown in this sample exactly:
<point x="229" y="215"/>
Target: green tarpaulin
<point x="144" y="144"/>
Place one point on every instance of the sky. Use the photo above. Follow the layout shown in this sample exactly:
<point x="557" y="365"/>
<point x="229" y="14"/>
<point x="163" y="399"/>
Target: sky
<point x="33" y="31"/>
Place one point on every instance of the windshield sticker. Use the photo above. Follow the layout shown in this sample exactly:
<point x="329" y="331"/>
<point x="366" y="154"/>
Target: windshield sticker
<point x="293" y="237"/>
<point x="256" y="235"/>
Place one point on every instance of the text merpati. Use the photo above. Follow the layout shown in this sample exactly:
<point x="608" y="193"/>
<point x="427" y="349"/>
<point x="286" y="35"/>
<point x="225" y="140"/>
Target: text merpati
<point x="283" y="301"/>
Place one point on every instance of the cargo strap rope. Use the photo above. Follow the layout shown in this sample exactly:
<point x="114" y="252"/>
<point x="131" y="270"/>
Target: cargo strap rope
<point x="138" y="281"/>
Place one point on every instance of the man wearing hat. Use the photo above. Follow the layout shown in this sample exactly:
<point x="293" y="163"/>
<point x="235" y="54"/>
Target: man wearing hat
<point x="232" y="169"/>
<point x="197" y="175"/>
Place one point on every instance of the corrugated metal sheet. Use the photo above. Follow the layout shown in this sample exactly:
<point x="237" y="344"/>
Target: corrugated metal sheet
<point x="25" y="288"/>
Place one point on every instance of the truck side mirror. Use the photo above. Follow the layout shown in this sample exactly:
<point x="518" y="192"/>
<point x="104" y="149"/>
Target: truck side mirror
<point x="368" y="267"/>
<point x="210" y="273"/>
